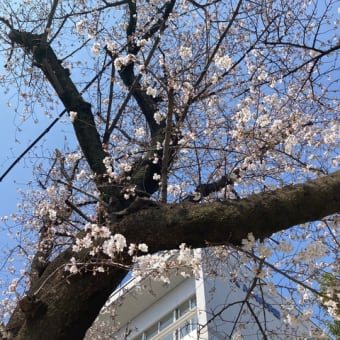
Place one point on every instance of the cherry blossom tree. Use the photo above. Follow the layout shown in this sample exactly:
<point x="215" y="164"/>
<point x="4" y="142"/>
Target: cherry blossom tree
<point x="199" y="123"/>
<point x="329" y="284"/>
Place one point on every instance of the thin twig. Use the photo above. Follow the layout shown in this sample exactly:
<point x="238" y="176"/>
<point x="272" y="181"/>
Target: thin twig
<point x="83" y="192"/>
<point x="78" y="211"/>
<point x="50" y="20"/>
<point x="166" y="150"/>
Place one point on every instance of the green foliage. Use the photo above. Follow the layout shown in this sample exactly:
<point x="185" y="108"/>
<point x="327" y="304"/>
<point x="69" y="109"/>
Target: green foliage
<point x="330" y="287"/>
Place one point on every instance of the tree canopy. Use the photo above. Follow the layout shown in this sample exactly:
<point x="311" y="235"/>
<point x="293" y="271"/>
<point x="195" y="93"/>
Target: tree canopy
<point x="200" y="122"/>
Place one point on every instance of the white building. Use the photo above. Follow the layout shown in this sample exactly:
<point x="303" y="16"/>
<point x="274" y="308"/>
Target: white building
<point x="213" y="306"/>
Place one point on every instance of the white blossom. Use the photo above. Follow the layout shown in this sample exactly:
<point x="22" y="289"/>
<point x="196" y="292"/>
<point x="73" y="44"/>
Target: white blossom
<point x="306" y="315"/>
<point x="142" y="42"/>
<point x="159" y="117"/>
<point x="151" y="92"/>
<point x="72" y="157"/>
<point x="97" y="231"/>
<point x="285" y="246"/>
<point x="100" y="269"/>
<point x="108" y="162"/>
<point x="80" y="26"/>
<point x="126" y="167"/>
<point x="175" y="190"/>
<point x="111" y="46"/>
<point x="114" y="245"/>
<point x="237" y="336"/>
<point x="262" y="76"/>
<point x="73" y="115"/>
<point x="155" y="266"/>
<point x="96" y="49"/>
<point x="156" y="177"/>
<point x="143" y="247"/>
<point x="249" y="243"/>
<point x="83" y="243"/>
<point x="13" y="286"/>
<point x="51" y="191"/>
<point x="155" y="159"/>
<point x="313" y="251"/>
<point x="81" y="175"/>
<point x="140" y="132"/>
<point x="224" y="62"/>
<point x="292" y="320"/>
<point x="264" y="251"/>
<point x="132" y="249"/>
<point x="73" y="268"/>
<point x="52" y="214"/>
<point x="119" y="63"/>
<point x="185" y="52"/>
<point x="332" y="308"/>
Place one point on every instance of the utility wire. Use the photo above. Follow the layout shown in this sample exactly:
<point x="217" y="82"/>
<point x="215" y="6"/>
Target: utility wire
<point x="32" y="145"/>
<point x="52" y="124"/>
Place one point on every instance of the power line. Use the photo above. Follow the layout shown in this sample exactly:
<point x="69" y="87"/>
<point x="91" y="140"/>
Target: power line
<point x="32" y="145"/>
<point x="52" y="124"/>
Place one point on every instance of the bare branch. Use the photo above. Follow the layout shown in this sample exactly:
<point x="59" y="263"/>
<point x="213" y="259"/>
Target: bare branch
<point x="166" y="148"/>
<point x="231" y="221"/>
<point x="59" y="78"/>
<point x="50" y="19"/>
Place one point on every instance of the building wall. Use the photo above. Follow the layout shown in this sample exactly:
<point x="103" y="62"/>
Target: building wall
<point x="225" y="310"/>
<point x="162" y="306"/>
<point x="218" y="313"/>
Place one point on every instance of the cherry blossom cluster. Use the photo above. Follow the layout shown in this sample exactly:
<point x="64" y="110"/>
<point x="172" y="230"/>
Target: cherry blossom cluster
<point x="161" y="266"/>
<point x="252" y="96"/>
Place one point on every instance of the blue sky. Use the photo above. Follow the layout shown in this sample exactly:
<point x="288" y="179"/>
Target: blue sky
<point x="10" y="149"/>
<point x="13" y="142"/>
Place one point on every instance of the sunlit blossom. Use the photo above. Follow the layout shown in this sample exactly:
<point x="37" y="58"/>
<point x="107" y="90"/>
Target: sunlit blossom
<point x="185" y="52"/>
<point x="80" y="26"/>
<point x="114" y="245"/>
<point x="224" y="62"/>
<point x="73" y="116"/>
<point x="96" y="49"/>
<point x="159" y="117"/>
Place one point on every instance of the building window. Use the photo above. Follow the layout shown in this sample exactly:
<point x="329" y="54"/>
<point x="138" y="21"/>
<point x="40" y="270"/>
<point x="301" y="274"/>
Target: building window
<point x="151" y="332"/>
<point x="166" y="321"/>
<point x="188" y="327"/>
<point x="175" y="325"/>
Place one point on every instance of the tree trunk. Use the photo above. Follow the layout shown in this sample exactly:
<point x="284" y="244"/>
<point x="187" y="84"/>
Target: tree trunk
<point x="64" y="308"/>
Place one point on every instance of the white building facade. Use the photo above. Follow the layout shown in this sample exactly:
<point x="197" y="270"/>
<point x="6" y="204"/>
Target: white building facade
<point x="216" y="305"/>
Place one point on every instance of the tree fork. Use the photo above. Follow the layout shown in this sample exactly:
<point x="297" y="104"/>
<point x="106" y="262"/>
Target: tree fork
<point x="231" y="221"/>
<point x="219" y="222"/>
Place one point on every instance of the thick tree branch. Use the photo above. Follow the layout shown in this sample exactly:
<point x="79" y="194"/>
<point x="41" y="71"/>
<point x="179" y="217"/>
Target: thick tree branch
<point x="59" y="77"/>
<point x="145" y="168"/>
<point x="231" y="221"/>
<point x="205" y="189"/>
<point x="147" y="104"/>
<point x="64" y="304"/>
<point x="70" y="303"/>
<point x="70" y="306"/>
<point x="50" y="19"/>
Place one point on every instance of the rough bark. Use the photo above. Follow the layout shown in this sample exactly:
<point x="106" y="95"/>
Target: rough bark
<point x="59" y="78"/>
<point x="67" y="307"/>
<point x="61" y="307"/>
<point x="231" y="221"/>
